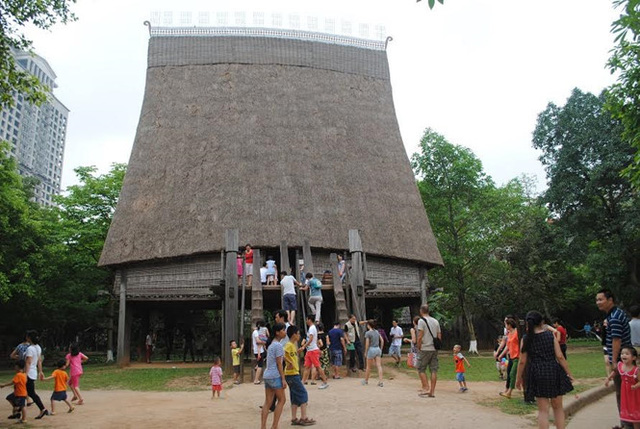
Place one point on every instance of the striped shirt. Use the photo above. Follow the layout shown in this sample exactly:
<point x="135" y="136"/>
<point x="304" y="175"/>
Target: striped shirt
<point x="617" y="327"/>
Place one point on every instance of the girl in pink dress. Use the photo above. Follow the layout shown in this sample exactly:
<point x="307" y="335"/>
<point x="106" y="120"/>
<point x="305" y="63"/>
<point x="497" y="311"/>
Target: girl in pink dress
<point x="75" y="359"/>
<point x="630" y="389"/>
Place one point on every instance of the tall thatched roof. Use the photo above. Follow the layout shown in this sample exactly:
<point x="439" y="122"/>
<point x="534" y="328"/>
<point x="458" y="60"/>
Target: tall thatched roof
<point x="283" y="139"/>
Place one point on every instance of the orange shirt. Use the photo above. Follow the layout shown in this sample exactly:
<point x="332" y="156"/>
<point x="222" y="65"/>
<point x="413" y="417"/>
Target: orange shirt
<point x="513" y="344"/>
<point x="60" y="379"/>
<point x="459" y="360"/>
<point x="20" y="384"/>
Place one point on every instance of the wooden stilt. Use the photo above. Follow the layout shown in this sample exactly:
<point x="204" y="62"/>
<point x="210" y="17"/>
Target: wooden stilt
<point x="230" y="297"/>
<point x="284" y="266"/>
<point x="338" y="292"/>
<point x="124" y="353"/>
<point x="357" y="275"/>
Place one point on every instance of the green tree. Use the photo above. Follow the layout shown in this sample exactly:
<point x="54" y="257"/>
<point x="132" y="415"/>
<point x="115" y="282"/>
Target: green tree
<point x="432" y="3"/>
<point x="583" y="154"/>
<point x="624" y="95"/>
<point x="471" y="217"/>
<point x="14" y="16"/>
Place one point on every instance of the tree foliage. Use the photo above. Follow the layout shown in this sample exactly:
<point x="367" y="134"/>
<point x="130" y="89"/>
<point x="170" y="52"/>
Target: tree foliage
<point x="583" y="153"/>
<point x="14" y="16"/>
<point x="432" y="3"/>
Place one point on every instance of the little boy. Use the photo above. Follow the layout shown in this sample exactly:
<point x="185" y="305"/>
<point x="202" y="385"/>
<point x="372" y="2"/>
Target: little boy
<point x="297" y="392"/>
<point x="459" y="360"/>
<point x="18" y="398"/>
<point x="60" y="380"/>
<point x="236" y="352"/>
<point x="216" y="377"/>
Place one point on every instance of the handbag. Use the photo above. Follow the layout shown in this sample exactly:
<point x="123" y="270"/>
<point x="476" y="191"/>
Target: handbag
<point x="351" y="347"/>
<point x="437" y="342"/>
<point x="412" y="360"/>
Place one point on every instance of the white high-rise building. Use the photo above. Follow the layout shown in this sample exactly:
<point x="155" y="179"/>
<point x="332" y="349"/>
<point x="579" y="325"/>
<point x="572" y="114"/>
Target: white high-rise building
<point x="36" y="134"/>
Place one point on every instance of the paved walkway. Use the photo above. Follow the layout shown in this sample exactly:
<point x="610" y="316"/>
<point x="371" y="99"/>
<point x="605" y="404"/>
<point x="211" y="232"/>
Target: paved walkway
<point x="602" y="414"/>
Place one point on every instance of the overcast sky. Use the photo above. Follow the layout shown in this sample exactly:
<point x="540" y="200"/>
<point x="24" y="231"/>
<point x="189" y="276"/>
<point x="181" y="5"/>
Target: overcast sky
<point x="477" y="71"/>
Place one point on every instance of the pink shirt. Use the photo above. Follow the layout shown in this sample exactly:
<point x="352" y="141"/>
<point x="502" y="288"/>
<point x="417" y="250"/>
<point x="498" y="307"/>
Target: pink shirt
<point x="216" y="375"/>
<point x="75" y="364"/>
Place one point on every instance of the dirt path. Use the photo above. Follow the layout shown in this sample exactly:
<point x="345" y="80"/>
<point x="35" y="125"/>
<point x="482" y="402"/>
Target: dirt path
<point x="346" y="403"/>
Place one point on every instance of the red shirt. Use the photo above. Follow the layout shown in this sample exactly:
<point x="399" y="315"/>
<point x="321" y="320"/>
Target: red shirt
<point x="248" y="256"/>
<point x="563" y="334"/>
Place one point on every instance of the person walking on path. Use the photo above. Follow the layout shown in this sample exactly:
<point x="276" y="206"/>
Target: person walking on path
<point x="547" y="375"/>
<point x="74" y="361"/>
<point x="373" y="349"/>
<point x="274" y="381"/>
<point x="513" y="347"/>
<point x="428" y="331"/>
<point x="396" y="335"/>
<point x="617" y="334"/>
<point x="630" y="390"/>
<point x="33" y="367"/>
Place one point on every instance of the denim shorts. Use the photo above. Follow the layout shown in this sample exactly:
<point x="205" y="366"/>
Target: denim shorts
<point x="273" y="383"/>
<point x="297" y="392"/>
<point x="374" y="352"/>
<point x="460" y="376"/>
<point x="394" y="350"/>
<point x="290" y="302"/>
<point x="336" y="357"/>
<point x="59" y="396"/>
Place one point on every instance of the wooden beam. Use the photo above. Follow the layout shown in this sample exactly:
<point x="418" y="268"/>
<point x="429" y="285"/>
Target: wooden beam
<point x="424" y="282"/>
<point x="124" y="355"/>
<point x="357" y="275"/>
<point x="230" y="296"/>
<point x="284" y="266"/>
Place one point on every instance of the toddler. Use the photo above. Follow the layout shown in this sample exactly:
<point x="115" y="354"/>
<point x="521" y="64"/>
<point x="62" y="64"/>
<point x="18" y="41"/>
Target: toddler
<point x="216" y="377"/>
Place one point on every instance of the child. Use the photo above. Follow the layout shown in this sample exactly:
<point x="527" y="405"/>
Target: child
<point x="75" y="359"/>
<point x="236" y="352"/>
<point x="60" y="379"/>
<point x="459" y="360"/>
<point x="18" y="398"/>
<point x="216" y="377"/>
<point x="630" y="389"/>
<point x="497" y="358"/>
<point x="297" y="392"/>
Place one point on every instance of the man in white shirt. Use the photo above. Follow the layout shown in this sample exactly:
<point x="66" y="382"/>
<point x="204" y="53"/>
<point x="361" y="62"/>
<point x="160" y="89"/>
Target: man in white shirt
<point x="263" y="273"/>
<point x="289" y="301"/>
<point x="312" y="357"/>
<point x="396" y="335"/>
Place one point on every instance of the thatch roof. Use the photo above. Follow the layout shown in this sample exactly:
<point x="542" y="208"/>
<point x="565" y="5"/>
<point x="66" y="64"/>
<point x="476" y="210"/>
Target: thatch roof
<point x="282" y="139"/>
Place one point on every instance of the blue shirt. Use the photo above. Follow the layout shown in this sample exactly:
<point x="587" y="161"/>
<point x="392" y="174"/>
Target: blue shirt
<point x="334" y="336"/>
<point x="617" y="327"/>
<point x="275" y="351"/>
<point x="315" y="287"/>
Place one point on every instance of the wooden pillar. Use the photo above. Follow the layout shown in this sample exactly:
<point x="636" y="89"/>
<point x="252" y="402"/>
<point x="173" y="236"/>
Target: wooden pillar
<point x="257" y="309"/>
<point x="357" y="275"/>
<point x="424" y="282"/>
<point x="338" y="292"/>
<point x="230" y="297"/>
<point x="124" y="324"/>
<point x="284" y="266"/>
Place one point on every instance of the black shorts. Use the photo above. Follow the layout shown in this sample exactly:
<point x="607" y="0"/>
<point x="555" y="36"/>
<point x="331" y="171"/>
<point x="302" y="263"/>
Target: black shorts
<point x="236" y="369"/>
<point x="260" y="361"/>
<point x="59" y="396"/>
<point x="17" y="401"/>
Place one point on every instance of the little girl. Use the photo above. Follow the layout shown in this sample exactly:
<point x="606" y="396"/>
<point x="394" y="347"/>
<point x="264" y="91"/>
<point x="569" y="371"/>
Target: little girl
<point x="216" y="377"/>
<point x="630" y="389"/>
<point x="75" y="359"/>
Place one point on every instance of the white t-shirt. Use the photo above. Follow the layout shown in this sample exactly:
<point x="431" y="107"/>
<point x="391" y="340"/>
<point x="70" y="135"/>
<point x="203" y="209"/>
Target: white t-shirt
<point x="427" y="339"/>
<point x="263" y="275"/>
<point x="34" y="351"/>
<point x="288" y="285"/>
<point x="254" y="339"/>
<point x="313" y="344"/>
<point x="396" y="331"/>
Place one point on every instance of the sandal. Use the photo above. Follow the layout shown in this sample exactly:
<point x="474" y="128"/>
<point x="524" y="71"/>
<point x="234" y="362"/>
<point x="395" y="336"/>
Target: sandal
<point x="295" y="422"/>
<point x="306" y="422"/>
<point x="426" y="395"/>
<point x="42" y="414"/>
<point x="504" y="395"/>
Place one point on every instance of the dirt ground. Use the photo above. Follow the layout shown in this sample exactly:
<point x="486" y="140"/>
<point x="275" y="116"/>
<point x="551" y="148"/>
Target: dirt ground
<point x="346" y="403"/>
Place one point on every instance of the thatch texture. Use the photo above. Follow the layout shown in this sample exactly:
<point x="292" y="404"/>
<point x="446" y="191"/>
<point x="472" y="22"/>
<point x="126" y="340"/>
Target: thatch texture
<point x="282" y="139"/>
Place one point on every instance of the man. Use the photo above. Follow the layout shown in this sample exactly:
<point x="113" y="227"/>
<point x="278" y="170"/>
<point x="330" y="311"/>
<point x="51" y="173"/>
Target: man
<point x="312" y="357"/>
<point x="337" y="348"/>
<point x="617" y="334"/>
<point x="396" y="335"/>
<point x="289" y="301"/>
<point x="428" y="329"/>
<point x="282" y="316"/>
<point x="634" y="326"/>
<point x="562" y="336"/>
<point x="353" y="344"/>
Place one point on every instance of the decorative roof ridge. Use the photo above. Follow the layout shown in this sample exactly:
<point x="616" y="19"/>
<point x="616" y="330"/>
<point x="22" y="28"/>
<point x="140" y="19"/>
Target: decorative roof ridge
<point x="277" y="33"/>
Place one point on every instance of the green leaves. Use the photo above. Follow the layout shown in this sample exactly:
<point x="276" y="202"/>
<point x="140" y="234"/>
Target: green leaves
<point x="432" y="3"/>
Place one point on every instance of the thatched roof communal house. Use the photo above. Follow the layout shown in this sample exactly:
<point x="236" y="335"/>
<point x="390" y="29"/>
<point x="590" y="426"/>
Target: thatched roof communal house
<point x="286" y="138"/>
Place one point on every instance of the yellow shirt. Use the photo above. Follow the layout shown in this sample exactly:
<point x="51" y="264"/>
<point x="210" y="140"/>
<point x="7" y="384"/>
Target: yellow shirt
<point x="235" y="354"/>
<point x="291" y="355"/>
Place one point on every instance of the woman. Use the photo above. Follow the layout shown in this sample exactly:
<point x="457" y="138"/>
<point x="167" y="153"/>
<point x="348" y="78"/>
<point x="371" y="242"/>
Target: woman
<point x="324" y="349"/>
<point x="512" y="345"/>
<point x="274" y="381"/>
<point x="413" y="341"/>
<point x="373" y="349"/>
<point x="342" y="272"/>
<point x="33" y="367"/>
<point x="547" y="375"/>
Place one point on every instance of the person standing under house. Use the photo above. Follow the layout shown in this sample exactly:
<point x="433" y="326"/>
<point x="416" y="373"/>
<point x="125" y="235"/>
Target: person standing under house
<point x="289" y="298"/>
<point x="248" y="262"/>
<point x="188" y="345"/>
<point x="354" y="345"/>
<point x="337" y="348"/>
<point x="428" y="331"/>
<point x="258" y="351"/>
<point x="634" y="327"/>
<point x="617" y="334"/>
<point x="315" y="295"/>
<point x="562" y="336"/>
<point x="148" y="345"/>
<point x="396" y="335"/>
